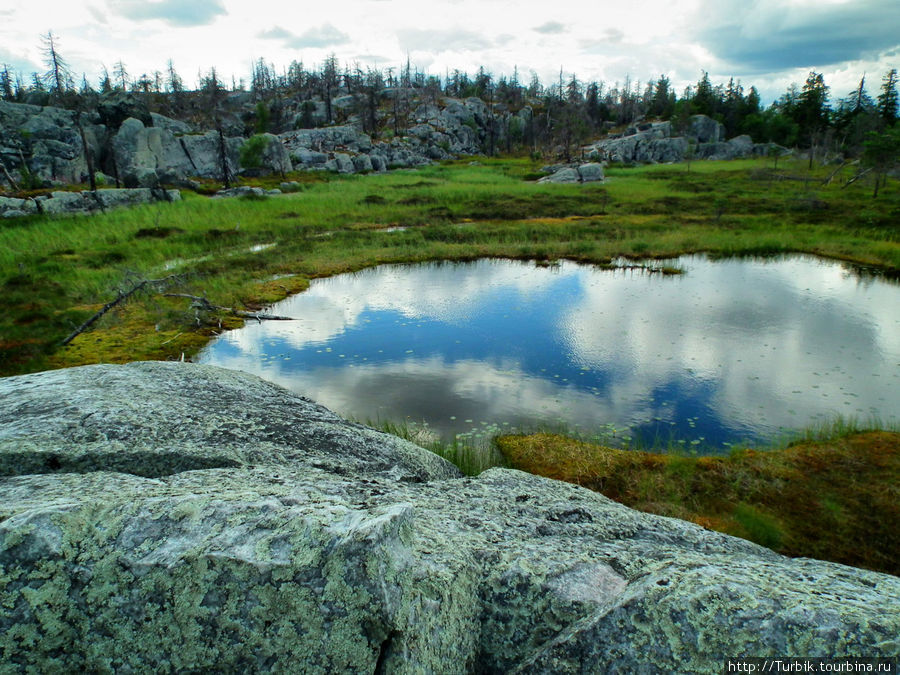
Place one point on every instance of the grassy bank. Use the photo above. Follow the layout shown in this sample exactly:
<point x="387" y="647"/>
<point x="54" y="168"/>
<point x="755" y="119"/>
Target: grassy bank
<point x="244" y="253"/>
<point x="835" y="499"/>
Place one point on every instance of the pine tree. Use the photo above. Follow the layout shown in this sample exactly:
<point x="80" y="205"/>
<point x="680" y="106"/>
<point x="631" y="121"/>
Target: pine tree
<point x="704" y="100"/>
<point x="811" y="112"/>
<point x="6" y="85"/>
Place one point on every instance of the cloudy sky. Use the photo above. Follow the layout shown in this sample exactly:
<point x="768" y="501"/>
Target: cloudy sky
<point x="769" y="43"/>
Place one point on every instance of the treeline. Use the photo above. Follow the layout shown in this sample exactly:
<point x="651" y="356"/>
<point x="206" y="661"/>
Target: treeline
<point x="568" y="111"/>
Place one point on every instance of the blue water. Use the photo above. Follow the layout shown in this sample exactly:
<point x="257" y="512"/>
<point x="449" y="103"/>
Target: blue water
<point x="730" y="351"/>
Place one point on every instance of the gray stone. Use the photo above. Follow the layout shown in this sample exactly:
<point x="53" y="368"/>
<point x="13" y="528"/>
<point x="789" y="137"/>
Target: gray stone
<point x="742" y="146"/>
<point x="242" y="191"/>
<point x="565" y="175"/>
<point x="11" y="203"/>
<point x="181" y="517"/>
<point x="118" y="106"/>
<point x="652" y="145"/>
<point x="307" y="158"/>
<point x="290" y="186"/>
<point x="73" y="203"/>
<point x="275" y="157"/>
<point x="343" y="163"/>
<point x="49" y="140"/>
<point x="110" y="199"/>
<point x="665" y="150"/>
<point x="379" y="162"/>
<point x="138" y="149"/>
<point x="590" y="172"/>
<point x="362" y="163"/>
<point x="168" y="124"/>
<point x="705" y="130"/>
<point x="59" y="203"/>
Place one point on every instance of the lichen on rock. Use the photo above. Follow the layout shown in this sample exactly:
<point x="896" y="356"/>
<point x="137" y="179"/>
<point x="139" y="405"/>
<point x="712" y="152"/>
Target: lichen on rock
<point x="195" y="518"/>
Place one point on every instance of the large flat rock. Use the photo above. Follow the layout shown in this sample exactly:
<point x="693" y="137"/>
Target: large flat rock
<point x="173" y="517"/>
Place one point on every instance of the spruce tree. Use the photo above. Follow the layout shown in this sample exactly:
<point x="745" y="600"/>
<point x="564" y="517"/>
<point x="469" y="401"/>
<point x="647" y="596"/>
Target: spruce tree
<point x="887" y="100"/>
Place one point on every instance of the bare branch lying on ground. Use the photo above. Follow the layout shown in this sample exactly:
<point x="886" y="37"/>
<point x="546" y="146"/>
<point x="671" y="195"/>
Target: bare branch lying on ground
<point x="119" y="299"/>
<point x="201" y="303"/>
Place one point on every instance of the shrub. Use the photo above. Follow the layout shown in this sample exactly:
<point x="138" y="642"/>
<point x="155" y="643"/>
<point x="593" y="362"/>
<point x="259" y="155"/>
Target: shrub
<point x="252" y="151"/>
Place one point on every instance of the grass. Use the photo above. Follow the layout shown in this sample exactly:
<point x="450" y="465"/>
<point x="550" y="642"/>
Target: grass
<point x="55" y="272"/>
<point x="471" y="456"/>
<point x="833" y="493"/>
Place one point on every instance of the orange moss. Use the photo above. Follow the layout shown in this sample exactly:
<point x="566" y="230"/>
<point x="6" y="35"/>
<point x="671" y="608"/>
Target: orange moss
<point x="837" y="500"/>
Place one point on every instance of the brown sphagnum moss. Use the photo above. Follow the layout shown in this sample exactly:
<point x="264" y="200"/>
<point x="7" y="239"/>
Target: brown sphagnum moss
<point x="836" y="500"/>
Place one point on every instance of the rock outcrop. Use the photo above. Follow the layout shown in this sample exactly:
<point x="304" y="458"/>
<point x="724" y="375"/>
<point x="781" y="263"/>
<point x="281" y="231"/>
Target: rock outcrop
<point x="59" y="203"/>
<point x="175" y="517"/>
<point x="576" y="173"/>
<point x="49" y="141"/>
<point x="657" y="143"/>
<point x="147" y="156"/>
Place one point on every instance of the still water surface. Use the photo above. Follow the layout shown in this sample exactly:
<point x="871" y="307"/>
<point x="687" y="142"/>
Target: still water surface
<point x="730" y="351"/>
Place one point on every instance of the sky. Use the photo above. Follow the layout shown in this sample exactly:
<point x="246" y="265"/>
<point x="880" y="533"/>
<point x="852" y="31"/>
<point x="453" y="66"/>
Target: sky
<point x="767" y="43"/>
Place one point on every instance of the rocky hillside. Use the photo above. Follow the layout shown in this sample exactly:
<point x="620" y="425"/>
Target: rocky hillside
<point x="123" y="144"/>
<point x="168" y="516"/>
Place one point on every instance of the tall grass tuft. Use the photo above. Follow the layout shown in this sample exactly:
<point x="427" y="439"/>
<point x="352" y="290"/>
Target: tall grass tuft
<point x="470" y="456"/>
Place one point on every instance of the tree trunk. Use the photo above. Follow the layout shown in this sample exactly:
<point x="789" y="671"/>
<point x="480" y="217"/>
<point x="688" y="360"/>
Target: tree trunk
<point x="223" y="157"/>
<point x="88" y="155"/>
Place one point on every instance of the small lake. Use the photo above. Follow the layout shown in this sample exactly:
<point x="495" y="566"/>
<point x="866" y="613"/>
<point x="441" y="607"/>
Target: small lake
<point x="730" y="351"/>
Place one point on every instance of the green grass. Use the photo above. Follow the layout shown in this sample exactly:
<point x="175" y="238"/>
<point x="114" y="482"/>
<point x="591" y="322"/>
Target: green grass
<point x="471" y="456"/>
<point x="54" y="272"/>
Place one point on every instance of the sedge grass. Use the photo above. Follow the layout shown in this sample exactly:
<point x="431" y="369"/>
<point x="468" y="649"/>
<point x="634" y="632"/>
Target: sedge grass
<point x="55" y="271"/>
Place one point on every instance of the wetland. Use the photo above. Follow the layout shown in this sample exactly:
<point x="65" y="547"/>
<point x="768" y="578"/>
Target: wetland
<point x="728" y="352"/>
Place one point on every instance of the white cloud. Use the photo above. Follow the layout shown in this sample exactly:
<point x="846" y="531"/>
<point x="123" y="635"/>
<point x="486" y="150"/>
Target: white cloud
<point x="172" y="12"/>
<point x="443" y="39"/>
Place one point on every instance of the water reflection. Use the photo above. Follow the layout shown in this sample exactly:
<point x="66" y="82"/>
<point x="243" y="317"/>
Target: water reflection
<point x="732" y="350"/>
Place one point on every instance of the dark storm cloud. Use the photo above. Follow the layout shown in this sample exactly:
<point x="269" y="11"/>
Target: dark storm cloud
<point x="173" y="12"/>
<point x="435" y="40"/>
<point x="550" y="28"/>
<point x="325" y="35"/>
<point x="767" y="36"/>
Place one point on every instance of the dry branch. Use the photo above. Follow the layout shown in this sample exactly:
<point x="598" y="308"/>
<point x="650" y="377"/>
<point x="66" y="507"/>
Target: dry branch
<point x="856" y="177"/>
<point x="8" y="177"/>
<point x="119" y="299"/>
<point x="201" y="303"/>
<point x="834" y="173"/>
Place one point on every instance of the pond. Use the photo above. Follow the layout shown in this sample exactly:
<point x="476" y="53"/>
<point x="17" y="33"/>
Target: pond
<point x="730" y="351"/>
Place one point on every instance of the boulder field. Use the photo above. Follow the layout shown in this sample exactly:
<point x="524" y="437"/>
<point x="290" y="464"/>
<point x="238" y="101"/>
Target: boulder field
<point x="160" y="517"/>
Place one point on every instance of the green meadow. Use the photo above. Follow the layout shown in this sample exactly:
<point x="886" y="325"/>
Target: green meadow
<point x="244" y="253"/>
